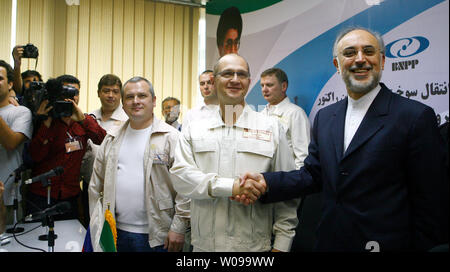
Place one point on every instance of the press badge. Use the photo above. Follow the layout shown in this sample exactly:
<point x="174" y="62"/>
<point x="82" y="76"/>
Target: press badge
<point x="264" y="135"/>
<point x="73" y="144"/>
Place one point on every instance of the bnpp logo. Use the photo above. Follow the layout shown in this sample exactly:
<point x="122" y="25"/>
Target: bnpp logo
<point x="73" y="2"/>
<point x="406" y="47"/>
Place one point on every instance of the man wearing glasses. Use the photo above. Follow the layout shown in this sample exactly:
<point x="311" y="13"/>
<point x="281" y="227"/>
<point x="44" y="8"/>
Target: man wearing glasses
<point x="376" y="156"/>
<point x="211" y="155"/>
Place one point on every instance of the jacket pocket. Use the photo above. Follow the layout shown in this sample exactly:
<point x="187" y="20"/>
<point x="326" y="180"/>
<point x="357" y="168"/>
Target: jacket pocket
<point x="202" y="218"/>
<point x="164" y="204"/>
<point x="203" y="145"/>
<point x="253" y="156"/>
<point x="166" y="207"/>
<point x="205" y="154"/>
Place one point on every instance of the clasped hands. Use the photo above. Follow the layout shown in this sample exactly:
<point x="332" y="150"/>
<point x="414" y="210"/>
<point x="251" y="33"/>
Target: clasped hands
<point x="248" y="188"/>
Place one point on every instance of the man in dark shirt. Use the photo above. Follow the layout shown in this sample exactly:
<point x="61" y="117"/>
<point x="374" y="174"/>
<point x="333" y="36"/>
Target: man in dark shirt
<point x="61" y="141"/>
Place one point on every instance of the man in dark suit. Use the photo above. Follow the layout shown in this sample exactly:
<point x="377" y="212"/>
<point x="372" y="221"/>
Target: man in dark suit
<point x="376" y="156"/>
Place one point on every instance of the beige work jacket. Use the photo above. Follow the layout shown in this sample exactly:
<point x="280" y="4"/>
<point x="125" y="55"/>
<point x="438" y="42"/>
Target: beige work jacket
<point x="209" y="157"/>
<point x="166" y="210"/>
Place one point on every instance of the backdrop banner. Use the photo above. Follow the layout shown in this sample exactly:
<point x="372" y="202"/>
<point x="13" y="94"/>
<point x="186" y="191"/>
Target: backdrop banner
<point x="298" y="36"/>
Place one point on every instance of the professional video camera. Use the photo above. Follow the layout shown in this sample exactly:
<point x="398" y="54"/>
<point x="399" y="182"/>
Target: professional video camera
<point x="53" y="91"/>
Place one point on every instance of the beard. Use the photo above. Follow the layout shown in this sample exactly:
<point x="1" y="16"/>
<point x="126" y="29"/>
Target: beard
<point x="171" y="117"/>
<point x="357" y="86"/>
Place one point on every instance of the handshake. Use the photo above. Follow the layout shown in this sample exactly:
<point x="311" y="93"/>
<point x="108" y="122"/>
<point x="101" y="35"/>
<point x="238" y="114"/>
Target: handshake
<point x="248" y="188"/>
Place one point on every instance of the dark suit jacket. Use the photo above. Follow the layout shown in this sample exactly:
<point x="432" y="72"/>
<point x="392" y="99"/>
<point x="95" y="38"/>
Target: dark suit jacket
<point x="389" y="185"/>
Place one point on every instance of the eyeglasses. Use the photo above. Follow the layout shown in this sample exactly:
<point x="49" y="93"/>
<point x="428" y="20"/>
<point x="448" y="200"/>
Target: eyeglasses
<point x="367" y="51"/>
<point x="228" y="74"/>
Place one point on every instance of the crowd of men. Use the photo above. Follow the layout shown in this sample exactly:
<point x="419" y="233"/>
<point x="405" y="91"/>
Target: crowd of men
<point x="228" y="178"/>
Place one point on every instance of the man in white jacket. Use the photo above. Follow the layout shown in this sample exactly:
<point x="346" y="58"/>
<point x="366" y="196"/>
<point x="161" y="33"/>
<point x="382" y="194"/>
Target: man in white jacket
<point x="209" y="104"/>
<point x="131" y="173"/>
<point x="274" y="84"/>
<point x="213" y="152"/>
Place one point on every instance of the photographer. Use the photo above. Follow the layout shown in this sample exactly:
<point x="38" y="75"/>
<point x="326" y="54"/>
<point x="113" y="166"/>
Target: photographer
<point x="61" y="140"/>
<point x="22" y="80"/>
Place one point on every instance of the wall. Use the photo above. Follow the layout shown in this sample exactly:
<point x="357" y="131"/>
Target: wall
<point x="125" y="37"/>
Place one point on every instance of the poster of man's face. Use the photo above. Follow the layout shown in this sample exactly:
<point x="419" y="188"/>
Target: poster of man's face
<point x="229" y="31"/>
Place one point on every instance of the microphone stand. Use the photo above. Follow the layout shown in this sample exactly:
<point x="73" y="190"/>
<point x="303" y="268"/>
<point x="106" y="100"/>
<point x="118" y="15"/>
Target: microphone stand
<point x="48" y="221"/>
<point x="14" y="229"/>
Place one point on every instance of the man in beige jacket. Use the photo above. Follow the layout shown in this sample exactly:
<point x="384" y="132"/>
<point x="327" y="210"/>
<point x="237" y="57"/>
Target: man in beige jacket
<point x="131" y="174"/>
<point x="213" y="152"/>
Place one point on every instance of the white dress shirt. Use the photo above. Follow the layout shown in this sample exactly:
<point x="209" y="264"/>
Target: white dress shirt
<point x="356" y="110"/>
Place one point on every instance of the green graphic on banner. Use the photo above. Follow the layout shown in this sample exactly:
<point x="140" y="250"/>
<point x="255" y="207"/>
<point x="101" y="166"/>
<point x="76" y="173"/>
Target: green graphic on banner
<point x="216" y="7"/>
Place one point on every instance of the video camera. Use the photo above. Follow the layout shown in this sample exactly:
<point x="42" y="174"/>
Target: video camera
<point x="53" y="91"/>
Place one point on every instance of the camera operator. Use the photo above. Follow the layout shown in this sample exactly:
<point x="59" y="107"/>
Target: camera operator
<point x="15" y="129"/>
<point x="61" y="140"/>
<point x="69" y="80"/>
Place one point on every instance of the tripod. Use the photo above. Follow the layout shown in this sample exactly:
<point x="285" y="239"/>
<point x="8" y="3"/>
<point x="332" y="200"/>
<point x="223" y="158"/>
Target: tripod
<point x="17" y="178"/>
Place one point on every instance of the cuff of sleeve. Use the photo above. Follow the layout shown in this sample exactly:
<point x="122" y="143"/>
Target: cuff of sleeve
<point x="221" y="187"/>
<point x="282" y="243"/>
<point x="179" y="225"/>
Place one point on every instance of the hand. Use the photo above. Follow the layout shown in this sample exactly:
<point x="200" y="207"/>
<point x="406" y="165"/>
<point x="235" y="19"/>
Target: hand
<point x="249" y="188"/>
<point x="17" y="54"/>
<point x="43" y="110"/>
<point x="174" y="242"/>
<point x="12" y="100"/>
<point x="77" y="113"/>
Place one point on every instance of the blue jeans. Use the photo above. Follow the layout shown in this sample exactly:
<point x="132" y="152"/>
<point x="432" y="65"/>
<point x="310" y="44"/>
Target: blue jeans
<point x="135" y="242"/>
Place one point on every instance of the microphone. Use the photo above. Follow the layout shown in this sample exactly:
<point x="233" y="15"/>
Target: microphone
<point x="54" y="172"/>
<point x="59" y="208"/>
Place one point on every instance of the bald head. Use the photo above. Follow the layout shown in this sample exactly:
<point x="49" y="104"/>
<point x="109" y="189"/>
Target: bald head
<point x="229" y="58"/>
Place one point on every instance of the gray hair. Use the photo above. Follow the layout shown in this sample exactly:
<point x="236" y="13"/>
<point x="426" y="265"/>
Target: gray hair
<point x="136" y="80"/>
<point x="353" y="28"/>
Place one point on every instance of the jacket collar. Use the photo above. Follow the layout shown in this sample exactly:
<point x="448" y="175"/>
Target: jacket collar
<point x="277" y="109"/>
<point x="242" y="121"/>
<point x="371" y="123"/>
